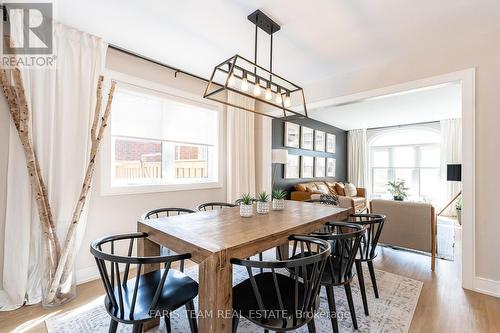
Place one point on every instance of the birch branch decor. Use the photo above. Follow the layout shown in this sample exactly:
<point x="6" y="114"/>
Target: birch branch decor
<point x="20" y="113"/>
<point x="60" y="261"/>
<point x="65" y="264"/>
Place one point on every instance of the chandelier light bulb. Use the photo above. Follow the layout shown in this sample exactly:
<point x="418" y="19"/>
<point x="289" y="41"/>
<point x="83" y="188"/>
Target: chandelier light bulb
<point x="256" y="89"/>
<point x="244" y="84"/>
<point x="287" y="101"/>
<point x="269" y="94"/>
<point x="230" y="81"/>
<point x="279" y="99"/>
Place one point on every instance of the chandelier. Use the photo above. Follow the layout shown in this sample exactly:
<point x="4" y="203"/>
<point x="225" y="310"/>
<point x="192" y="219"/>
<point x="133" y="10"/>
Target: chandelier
<point x="244" y="77"/>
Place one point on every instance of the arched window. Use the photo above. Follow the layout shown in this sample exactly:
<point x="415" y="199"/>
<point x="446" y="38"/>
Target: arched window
<point x="410" y="153"/>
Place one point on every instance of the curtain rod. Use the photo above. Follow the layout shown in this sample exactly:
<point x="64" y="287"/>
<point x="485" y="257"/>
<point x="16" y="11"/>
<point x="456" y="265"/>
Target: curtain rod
<point x="140" y="56"/>
<point x="422" y="123"/>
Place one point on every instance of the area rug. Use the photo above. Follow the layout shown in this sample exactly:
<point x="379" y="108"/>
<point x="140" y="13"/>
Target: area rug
<point x="392" y="312"/>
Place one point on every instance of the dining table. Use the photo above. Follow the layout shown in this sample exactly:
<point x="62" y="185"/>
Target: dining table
<point x="213" y="237"/>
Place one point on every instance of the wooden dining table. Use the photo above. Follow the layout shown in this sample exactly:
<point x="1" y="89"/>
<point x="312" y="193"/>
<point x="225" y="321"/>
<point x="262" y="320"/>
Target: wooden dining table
<point x="214" y="237"/>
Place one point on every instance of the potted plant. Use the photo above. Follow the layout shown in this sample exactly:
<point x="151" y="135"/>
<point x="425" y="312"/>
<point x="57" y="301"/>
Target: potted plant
<point x="263" y="203"/>
<point x="458" y="207"/>
<point x="246" y="205"/>
<point x="398" y="190"/>
<point x="279" y="199"/>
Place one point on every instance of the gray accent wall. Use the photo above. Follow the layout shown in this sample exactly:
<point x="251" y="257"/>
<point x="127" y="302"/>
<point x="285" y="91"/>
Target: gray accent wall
<point x="340" y="152"/>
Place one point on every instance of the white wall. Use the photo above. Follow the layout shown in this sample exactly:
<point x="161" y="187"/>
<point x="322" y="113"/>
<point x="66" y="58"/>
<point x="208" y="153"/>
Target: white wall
<point x="482" y="52"/>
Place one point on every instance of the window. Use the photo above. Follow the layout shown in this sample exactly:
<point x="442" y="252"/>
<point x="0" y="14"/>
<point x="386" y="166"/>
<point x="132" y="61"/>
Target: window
<point x="162" y="142"/>
<point x="412" y="155"/>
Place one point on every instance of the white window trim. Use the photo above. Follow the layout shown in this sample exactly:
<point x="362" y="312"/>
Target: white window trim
<point x="107" y="189"/>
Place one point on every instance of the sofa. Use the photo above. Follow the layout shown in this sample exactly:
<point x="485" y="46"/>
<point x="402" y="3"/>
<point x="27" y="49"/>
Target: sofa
<point x="409" y="225"/>
<point x="313" y="190"/>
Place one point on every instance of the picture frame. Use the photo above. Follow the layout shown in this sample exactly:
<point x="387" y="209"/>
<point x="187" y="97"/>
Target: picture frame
<point x="291" y="135"/>
<point x="306" y="138"/>
<point x="331" y="164"/>
<point x="330" y="142"/>
<point x="306" y="167"/>
<point x="319" y="167"/>
<point x="319" y="140"/>
<point x="292" y="167"/>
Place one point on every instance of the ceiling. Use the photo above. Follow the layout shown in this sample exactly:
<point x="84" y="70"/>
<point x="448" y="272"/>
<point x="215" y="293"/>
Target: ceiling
<point x="411" y="107"/>
<point x="318" y="40"/>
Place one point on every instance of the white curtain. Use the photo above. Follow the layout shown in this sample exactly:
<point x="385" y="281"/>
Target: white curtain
<point x="240" y="148"/>
<point x="357" y="157"/>
<point x="263" y="153"/>
<point x="451" y="153"/>
<point x="62" y="102"/>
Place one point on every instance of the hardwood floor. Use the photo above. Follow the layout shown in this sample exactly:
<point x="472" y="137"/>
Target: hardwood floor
<point x="443" y="305"/>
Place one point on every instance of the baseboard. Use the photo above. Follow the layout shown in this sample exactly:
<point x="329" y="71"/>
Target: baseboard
<point x="487" y="286"/>
<point x="87" y="274"/>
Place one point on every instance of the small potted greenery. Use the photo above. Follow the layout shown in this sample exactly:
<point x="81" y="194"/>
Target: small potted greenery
<point x="398" y="190"/>
<point x="458" y="207"/>
<point x="263" y="203"/>
<point x="279" y="199"/>
<point x="246" y="205"/>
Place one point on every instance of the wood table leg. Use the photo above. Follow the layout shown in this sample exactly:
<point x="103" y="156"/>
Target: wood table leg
<point x="215" y="294"/>
<point x="147" y="248"/>
<point x="283" y="250"/>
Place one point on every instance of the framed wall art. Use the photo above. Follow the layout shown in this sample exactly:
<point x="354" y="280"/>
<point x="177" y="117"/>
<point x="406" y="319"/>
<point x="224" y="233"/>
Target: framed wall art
<point x="330" y="167"/>
<point x="319" y="140"/>
<point x="306" y="138"/>
<point x="306" y="166"/>
<point x="291" y="135"/>
<point x="319" y="167"/>
<point x="292" y="167"/>
<point x="330" y="143"/>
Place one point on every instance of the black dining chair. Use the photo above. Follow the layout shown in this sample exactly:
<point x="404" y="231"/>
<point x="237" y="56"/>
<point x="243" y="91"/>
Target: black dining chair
<point x="374" y="224"/>
<point x="345" y="239"/>
<point x="274" y="299"/>
<point x="165" y="212"/>
<point x="213" y="205"/>
<point x="149" y="294"/>
<point x="238" y="201"/>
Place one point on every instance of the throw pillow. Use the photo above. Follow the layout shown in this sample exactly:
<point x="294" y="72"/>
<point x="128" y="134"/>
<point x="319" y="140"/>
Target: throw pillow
<point x="323" y="189"/>
<point x="300" y="187"/>
<point x="350" y="190"/>
<point x="331" y="188"/>
<point x="310" y="187"/>
<point x="339" y="188"/>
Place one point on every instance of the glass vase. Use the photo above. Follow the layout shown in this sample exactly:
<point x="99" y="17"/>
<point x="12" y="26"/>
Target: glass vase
<point x="66" y="290"/>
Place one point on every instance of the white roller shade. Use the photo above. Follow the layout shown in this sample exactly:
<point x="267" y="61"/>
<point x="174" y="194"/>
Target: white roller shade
<point x="148" y="114"/>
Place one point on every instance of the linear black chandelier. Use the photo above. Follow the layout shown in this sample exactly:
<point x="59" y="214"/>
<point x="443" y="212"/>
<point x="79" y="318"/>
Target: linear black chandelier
<point x="242" y="76"/>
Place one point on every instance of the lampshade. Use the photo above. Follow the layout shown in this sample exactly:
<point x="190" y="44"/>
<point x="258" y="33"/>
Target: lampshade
<point x="280" y="156"/>
<point x="454" y="172"/>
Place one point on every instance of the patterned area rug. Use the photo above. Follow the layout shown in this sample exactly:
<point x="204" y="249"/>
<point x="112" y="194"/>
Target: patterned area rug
<point x="392" y="312"/>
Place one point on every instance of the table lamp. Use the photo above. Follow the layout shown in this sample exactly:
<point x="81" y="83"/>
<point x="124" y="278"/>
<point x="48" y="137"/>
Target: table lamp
<point x="453" y="174"/>
<point x="279" y="156"/>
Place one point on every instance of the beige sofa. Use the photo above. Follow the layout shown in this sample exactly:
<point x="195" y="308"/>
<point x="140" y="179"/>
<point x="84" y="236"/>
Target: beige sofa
<point x="313" y="190"/>
<point x="410" y="225"/>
